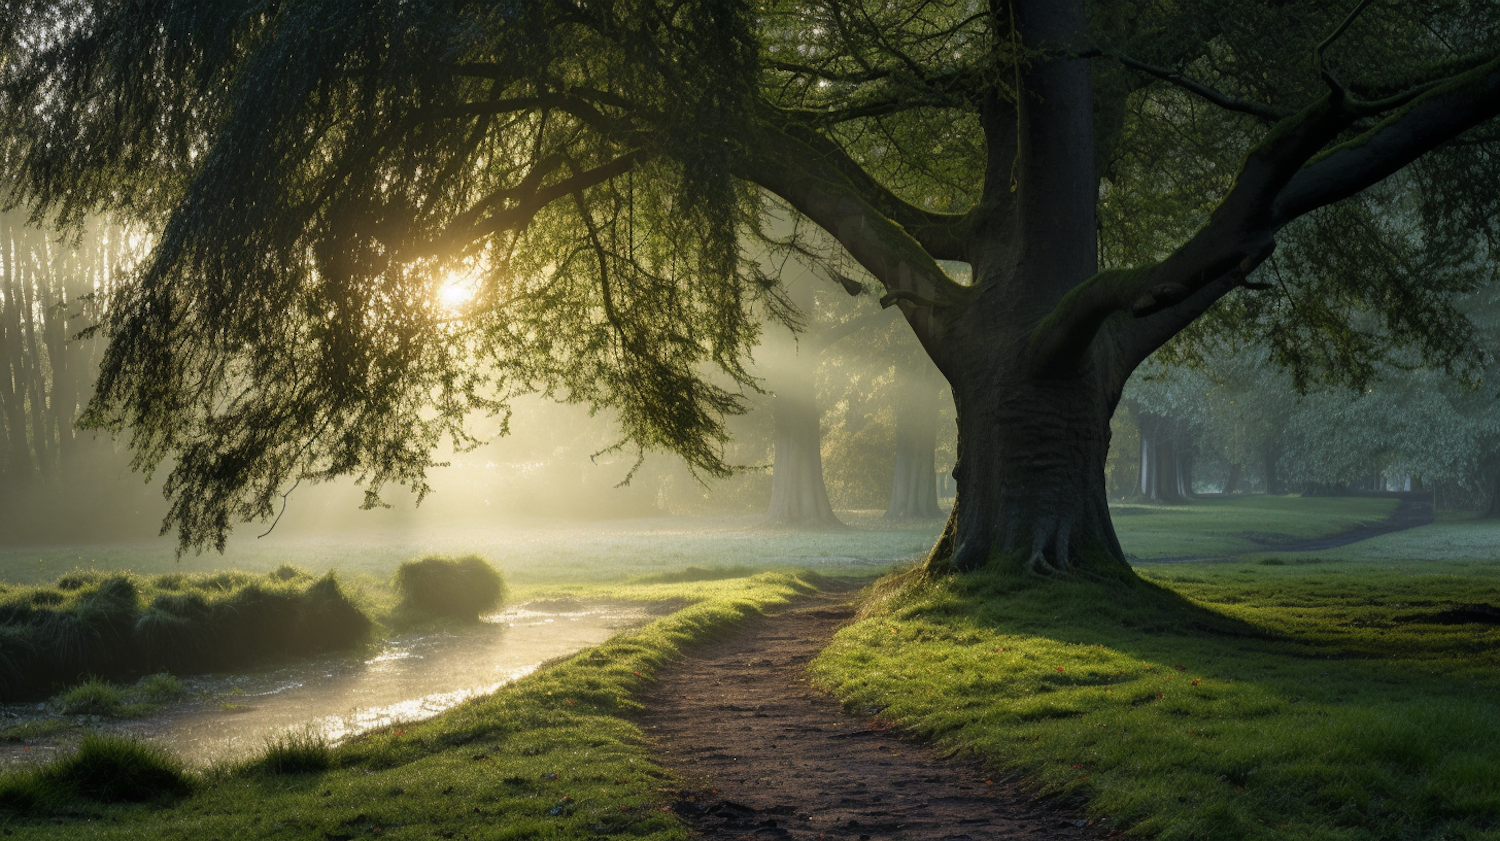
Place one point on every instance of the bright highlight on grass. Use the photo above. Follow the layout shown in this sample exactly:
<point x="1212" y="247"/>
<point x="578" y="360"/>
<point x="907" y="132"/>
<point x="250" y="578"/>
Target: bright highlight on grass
<point x="457" y="291"/>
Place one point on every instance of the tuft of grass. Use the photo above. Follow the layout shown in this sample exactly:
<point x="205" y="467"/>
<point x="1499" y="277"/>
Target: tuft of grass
<point x="1228" y="701"/>
<point x="448" y="588"/>
<point x="159" y="688"/>
<point x="295" y="752"/>
<point x="104" y="769"/>
<point x="92" y="697"/>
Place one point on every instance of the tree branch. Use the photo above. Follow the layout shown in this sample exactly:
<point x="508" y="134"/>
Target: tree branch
<point x="942" y="235"/>
<point x="1443" y="112"/>
<point x="526" y="203"/>
<point x="791" y="168"/>
<point x="1223" y="100"/>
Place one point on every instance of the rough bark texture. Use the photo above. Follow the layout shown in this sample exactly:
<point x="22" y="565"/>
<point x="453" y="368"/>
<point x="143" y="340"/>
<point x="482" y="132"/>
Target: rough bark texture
<point x="1031" y="478"/>
<point x="914" y="483"/>
<point x="1032" y="437"/>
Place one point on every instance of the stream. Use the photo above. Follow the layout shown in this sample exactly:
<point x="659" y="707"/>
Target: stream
<point x="232" y="716"/>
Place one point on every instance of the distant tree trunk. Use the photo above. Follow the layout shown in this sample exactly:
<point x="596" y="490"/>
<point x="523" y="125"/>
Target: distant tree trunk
<point x="798" y="495"/>
<point x="1164" y="464"/>
<point x="1271" y="455"/>
<point x="12" y="372"/>
<point x="1232" y="481"/>
<point x="1492" y="488"/>
<point x="914" y="484"/>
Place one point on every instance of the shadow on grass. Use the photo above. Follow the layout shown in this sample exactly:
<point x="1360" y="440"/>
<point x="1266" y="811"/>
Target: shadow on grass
<point x="1184" y="720"/>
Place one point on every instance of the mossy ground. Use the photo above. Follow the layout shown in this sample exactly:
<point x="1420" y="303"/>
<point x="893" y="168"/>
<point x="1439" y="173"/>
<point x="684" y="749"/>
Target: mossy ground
<point x="553" y="756"/>
<point x="1223" y="701"/>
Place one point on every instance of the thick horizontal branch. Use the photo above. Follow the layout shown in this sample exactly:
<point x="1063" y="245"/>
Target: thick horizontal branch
<point x="1441" y="113"/>
<point x="941" y="235"/>
<point x="789" y="167"/>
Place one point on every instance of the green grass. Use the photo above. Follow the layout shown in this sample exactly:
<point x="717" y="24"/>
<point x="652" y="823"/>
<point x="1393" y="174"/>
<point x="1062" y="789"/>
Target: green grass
<point x="1224" y="701"/>
<point x="532" y="557"/>
<point x="554" y="756"/>
<point x="122" y="625"/>
<point x="1218" y="527"/>
<point x="102" y="770"/>
<point x="92" y="697"/>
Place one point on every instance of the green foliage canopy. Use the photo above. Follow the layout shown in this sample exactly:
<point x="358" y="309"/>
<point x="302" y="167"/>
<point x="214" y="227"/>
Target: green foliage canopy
<point x="314" y="170"/>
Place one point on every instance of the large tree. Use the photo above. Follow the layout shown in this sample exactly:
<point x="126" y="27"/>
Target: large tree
<point x="316" y="170"/>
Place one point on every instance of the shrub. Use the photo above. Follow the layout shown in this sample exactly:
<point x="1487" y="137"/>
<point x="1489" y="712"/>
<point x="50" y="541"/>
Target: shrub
<point x="159" y="688"/>
<point x="120" y="626"/>
<point x="436" y="587"/>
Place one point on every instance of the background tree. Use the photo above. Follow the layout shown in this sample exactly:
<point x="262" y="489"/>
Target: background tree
<point x="316" y="170"/>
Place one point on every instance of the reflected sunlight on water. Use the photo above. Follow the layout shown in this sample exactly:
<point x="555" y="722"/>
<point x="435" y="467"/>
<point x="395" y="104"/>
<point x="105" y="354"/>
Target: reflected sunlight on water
<point x="405" y="679"/>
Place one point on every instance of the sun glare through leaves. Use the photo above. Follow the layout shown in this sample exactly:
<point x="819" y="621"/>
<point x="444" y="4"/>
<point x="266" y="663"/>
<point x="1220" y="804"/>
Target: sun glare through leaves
<point x="456" y="292"/>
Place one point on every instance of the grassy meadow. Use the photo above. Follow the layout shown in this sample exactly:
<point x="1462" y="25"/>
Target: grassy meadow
<point x="1327" y="695"/>
<point x="1345" y="694"/>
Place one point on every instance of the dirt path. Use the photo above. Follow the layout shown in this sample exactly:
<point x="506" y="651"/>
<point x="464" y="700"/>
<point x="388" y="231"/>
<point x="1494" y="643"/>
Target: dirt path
<point x="767" y="756"/>
<point x="1413" y="509"/>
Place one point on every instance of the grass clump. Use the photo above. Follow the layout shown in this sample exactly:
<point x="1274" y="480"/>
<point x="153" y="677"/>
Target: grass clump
<point x="447" y="588"/>
<point x="92" y="697"/>
<point x="104" y="769"/>
<point x="1214" y="701"/>
<point x="121" y="626"/>
<point x="295" y="752"/>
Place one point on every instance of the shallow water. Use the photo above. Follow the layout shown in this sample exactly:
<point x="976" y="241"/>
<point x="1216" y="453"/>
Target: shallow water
<point x="405" y="679"/>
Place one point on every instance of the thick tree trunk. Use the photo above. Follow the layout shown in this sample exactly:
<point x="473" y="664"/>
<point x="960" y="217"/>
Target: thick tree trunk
<point x="914" y="483"/>
<point x="798" y="496"/>
<point x="1030" y="475"/>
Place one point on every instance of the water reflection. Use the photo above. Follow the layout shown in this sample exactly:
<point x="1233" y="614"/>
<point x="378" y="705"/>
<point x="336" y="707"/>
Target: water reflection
<point x="406" y="679"/>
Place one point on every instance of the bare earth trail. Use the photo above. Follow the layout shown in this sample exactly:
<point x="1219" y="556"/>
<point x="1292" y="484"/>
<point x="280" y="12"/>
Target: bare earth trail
<point x="765" y="755"/>
<point x="1412" y="510"/>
